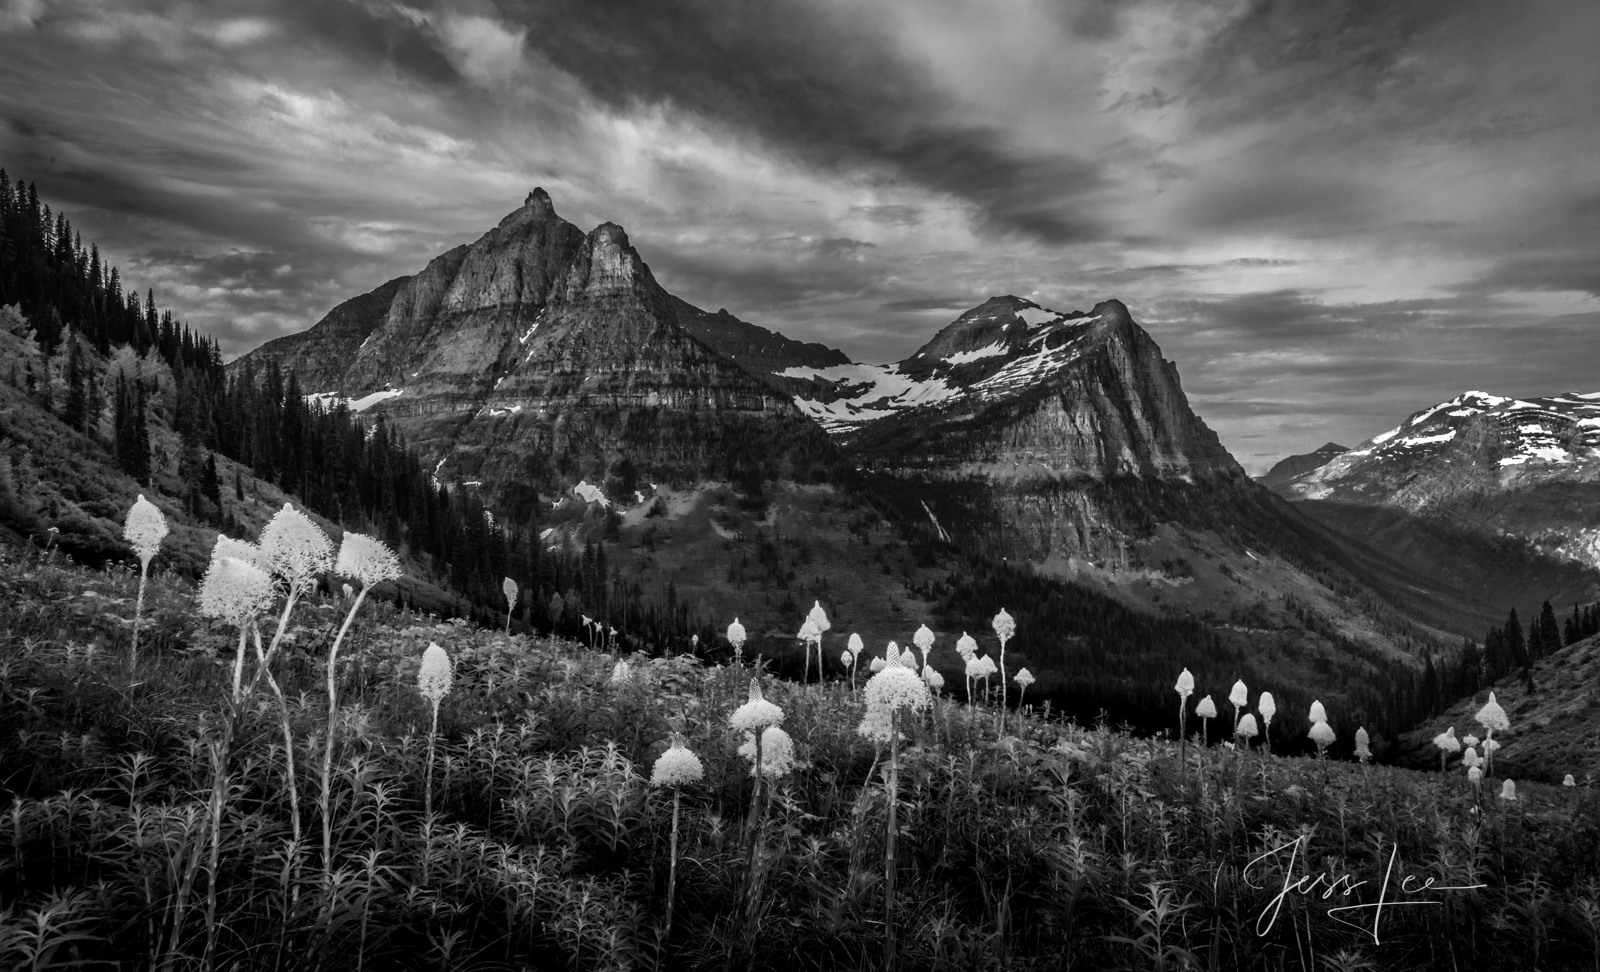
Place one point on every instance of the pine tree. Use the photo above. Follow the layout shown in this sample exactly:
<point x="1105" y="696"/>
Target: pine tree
<point x="76" y="410"/>
<point x="1549" y="630"/>
<point x="1516" y="643"/>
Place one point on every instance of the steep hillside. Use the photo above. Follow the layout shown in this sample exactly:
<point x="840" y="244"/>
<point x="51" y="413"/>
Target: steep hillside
<point x="1498" y="498"/>
<point x="1553" y="728"/>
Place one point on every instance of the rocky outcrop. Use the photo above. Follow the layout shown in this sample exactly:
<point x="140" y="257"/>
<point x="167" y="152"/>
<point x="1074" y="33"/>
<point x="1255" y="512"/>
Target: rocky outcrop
<point x="539" y="355"/>
<point x="321" y="353"/>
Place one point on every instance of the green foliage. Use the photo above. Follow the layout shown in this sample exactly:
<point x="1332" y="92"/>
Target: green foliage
<point x="1056" y="847"/>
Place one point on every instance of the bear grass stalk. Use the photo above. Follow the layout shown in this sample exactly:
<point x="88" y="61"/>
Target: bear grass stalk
<point x="144" y="528"/>
<point x="675" y="768"/>
<point x="371" y="562"/>
<point x="894" y="688"/>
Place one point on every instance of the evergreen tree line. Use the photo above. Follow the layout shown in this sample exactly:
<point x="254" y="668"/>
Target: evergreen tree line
<point x="1508" y="649"/>
<point x="362" y="476"/>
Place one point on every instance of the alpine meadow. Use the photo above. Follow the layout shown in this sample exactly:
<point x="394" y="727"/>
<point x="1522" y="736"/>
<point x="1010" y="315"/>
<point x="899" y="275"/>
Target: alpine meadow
<point x="402" y="568"/>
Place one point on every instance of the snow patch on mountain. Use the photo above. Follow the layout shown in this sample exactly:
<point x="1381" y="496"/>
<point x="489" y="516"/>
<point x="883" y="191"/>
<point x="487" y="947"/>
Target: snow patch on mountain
<point x="334" y="399"/>
<point x="977" y="354"/>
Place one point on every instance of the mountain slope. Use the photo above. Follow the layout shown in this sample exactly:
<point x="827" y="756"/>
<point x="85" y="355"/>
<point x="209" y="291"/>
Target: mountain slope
<point x="547" y="370"/>
<point x="1291" y="466"/>
<point x="1497" y="497"/>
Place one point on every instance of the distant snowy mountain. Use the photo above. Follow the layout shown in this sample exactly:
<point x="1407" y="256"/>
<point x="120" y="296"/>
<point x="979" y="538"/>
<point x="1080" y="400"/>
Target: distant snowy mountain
<point x="1291" y="466"/>
<point x="1484" y="492"/>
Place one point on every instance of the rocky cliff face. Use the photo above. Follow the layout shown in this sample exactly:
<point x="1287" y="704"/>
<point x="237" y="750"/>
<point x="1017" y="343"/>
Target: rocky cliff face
<point x="540" y="355"/>
<point x="321" y="354"/>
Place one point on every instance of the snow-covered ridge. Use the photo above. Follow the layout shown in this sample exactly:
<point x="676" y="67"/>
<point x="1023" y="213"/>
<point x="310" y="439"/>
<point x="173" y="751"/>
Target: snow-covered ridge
<point x="1553" y="431"/>
<point x="867" y="392"/>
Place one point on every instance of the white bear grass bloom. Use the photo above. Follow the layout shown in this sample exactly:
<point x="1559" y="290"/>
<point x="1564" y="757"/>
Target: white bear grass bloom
<point x="678" y="766"/>
<point x="675" y="768"/>
<point x="1004" y="627"/>
<point x="1475" y="775"/>
<point x="757" y="713"/>
<point x="1023" y="678"/>
<point x="1363" y="744"/>
<point x="509" y="589"/>
<point x="777" y="753"/>
<point x="234" y="591"/>
<point x="296" y="548"/>
<point x="1492" y="716"/>
<point x="1469" y="740"/>
<point x="1322" y="734"/>
<point x="1568" y="780"/>
<point x="817" y="624"/>
<point x="967" y="646"/>
<point x="1447" y="743"/>
<point x="366" y="559"/>
<point x="1268" y="707"/>
<point x="1246" y="729"/>
<point x="1239" y="698"/>
<point x="896" y="687"/>
<point x="434" y="679"/>
<point x="1508" y="791"/>
<point x="1206" y="710"/>
<point x="1185" y="688"/>
<point x="736" y="638"/>
<point x="144" y="528"/>
<point x="1318" y="713"/>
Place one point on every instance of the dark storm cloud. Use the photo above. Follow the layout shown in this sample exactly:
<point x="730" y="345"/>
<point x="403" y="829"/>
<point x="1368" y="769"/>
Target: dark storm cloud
<point x="829" y="90"/>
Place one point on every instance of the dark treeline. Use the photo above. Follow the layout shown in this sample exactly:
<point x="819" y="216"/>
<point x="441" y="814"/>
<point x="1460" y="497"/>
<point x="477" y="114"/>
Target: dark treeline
<point x="80" y="317"/>
<point x="1099" y="655"/>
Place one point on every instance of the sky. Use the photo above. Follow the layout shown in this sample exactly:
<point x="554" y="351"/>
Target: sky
<point x="1329" y="214"/>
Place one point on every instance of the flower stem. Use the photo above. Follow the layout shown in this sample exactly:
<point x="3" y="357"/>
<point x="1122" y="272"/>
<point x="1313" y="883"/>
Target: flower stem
<point x="327" y="753"/>
<point x="672" y="873"/>
<point x="889" y="842"/>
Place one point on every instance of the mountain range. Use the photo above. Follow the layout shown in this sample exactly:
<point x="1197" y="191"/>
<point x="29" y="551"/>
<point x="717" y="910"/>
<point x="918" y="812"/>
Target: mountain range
<point x="1496" y="496"/>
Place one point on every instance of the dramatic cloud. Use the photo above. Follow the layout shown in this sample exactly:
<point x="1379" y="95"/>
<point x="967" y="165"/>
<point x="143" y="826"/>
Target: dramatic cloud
<point x="1328" y="212"/>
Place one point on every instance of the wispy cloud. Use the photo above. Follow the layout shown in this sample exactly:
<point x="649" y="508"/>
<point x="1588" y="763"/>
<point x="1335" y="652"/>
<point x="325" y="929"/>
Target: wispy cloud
<point x="1327" y="212"/>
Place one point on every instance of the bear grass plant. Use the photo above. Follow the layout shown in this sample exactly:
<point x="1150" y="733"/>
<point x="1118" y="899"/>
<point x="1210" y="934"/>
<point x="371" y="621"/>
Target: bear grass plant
<point x="1056" y="846"/>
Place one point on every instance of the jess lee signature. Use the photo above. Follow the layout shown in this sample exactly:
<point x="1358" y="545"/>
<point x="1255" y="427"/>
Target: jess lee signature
<point x="1343" y="885"/>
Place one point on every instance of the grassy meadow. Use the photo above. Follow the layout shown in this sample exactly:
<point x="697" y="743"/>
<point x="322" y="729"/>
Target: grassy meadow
<point x="1046" y="845"/>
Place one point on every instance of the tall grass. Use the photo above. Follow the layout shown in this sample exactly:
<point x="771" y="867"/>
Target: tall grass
<point x="1055" y="846"/>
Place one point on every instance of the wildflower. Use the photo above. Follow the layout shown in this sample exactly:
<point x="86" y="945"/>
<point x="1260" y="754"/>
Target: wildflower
<point x="1447" y="743"/>
<point x="1492" y="716"/>
<point x="145" y="528"/>
<point x="908" y="659"/>
<point x="1322" y="734"/>
<point x="509" y="589"/>
<point x="933" y="678"/>
<point x="897" y="686"/>
<point x="1268" y="708"/>
<point x="1475" y="775"/>
<point x="1023" y="678"/>
<point x="846" y="659"/>
<point x="1490" y="747"/>
<point x="433" y="681"/>
<point x="923" y="639"/>
<point x="877" y="664"/>
<point x="967" y="647"/>
<point x="1508" y="790"/>
<point x="736" y="639"/>
<point x="1206" y="710"/>
<point x="241" y="550"/>
<point x="349" y="591"/>
<point x="1004" y="628"/>
<point x="1363" y="745"/>
<point x="1318" y="713"/>
<point x="1246" y="729"/>
<point x="435" y="676"/>
<point x="233" y="590"/>
<point x="756" y="714"/>
<point x="1469" y="740"/>
<point x="368" y="560"/>
<point x="1569" y="781"/>
<point x="1470" y="758"/>
<point x="1239" y="698"/>
<point x="296" y="548"/>
<point x="677" y="766"/>
<point x="1184" y="688"/>
<point x="621" y="674"/>
<point x="819" y="623"/>
<point x="777" y="752"/>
